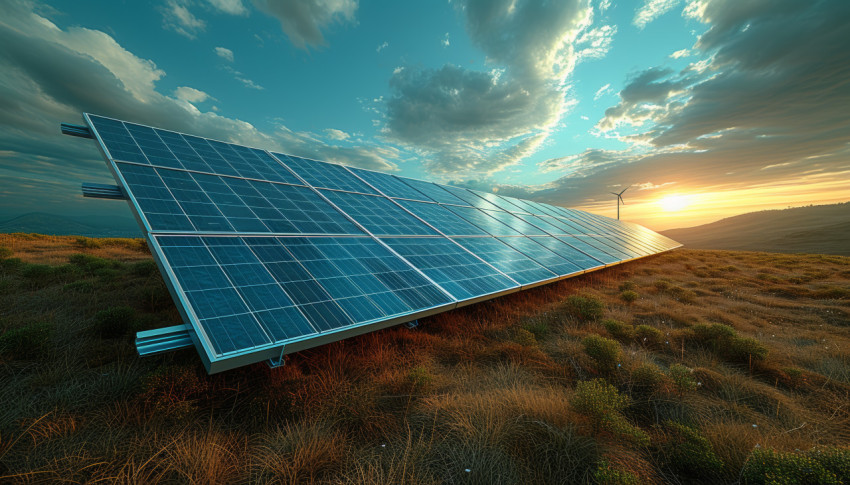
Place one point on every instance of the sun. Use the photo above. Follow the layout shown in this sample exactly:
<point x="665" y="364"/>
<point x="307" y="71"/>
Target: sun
<point x="674" y="203"/>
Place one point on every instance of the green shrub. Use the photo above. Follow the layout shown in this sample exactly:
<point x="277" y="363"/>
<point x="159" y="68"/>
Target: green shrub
<point x="683" y="295"/>
<point x="682" y="378"/>
<point x="605" y="475"/>
<point x="649" y="336"/>
<point x="539" y="328"/>
<point x="712" y="333"/>
<point x="114" y="322"/>
<point x="619" y="426"/>
<point x="92" y="264"/>
<point x="28" y="341"/>
<point x="37" y="271"/>
<point x="619" y="330"/>
<point x="524" y="337"/>
<point x="689" y="453"/>
<point x="11" y="265"/>
<point x="628" y="285"/>
<point x="662" y="285"/>
<point x="646" y="378"/>
<point x="743" y="349"/>
<point x="144" y="268"/>
<point x="419" y="377"/>
<point x="82" y="286"/>
<point x="87" y="242"/>
<point x="812" y="467"/>
<point x="5" y="252"/>
<point x="629" y="296"/>
<point x="604" y="351"/>
<point x="585" y="308"/>
<point x="597" y="398"/>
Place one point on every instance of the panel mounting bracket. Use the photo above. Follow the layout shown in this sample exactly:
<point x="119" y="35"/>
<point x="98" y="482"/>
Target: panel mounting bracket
<point x="412" y="324"/>
<point x="281" y="360"/>
<point x="75" y="130"/>
<point x="159" y="340"/>
<point x="103" y="191"/>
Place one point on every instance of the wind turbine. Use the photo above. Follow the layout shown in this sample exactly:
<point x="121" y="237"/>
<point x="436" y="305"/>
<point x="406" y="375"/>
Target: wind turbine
<point x="620" y="199"/>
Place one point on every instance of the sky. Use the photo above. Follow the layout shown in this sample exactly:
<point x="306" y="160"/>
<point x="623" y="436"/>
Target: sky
<point x="700" y="109"/>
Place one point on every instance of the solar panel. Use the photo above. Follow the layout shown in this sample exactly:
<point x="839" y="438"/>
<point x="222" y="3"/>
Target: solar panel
<point x="267" y="253"/>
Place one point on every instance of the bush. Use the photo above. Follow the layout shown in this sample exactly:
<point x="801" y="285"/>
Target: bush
<point x="662" y="285"/>
<point x="92" y="264"/>
<point x="5" y="252"/>
<point x="714" y="333"/>
<point x="114" y="322"/>
<point x="649" y="336"/>
<point x="419" y="377"/>
<point x="585" y="308"/>
<point x="30" y="340"/>
<point x="744" y="349"/>
<point x="604" y="351"/>
<point x="682" y="378"/>
<point x="646" y="379"/>
<point x="37" y="271"/>
<point x="82" y="286"/>
<point x="144" y="268"/>
<point x="619" y="330"/>
<point x="87" y="242"/>
<point x="628" y="285"/>
<point x="597" y="398"/>
<point x="689" y="453"/>
<point x="538" y="328"/>
<point x="605" y="475"/>
<point x="812" y="467"/>
<point x="629" y="296"/>
<point x="524" y="337"/>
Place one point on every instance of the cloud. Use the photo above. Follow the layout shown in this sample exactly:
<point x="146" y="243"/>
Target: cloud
<point x="190" y="95"/>
<point x="232" y="7"/>
<point x="595" y="43"/>
<point x="177" y="17"/>
<point x="303" y="21"/>
<point x="764" y="111"/>
<point x="651" y="10"/>
<point x="242" y="79"/>
<point x="478" y="122"/>
<point x="382" y="47"/>
<point x="50" y="75"/>
<point x="335" y="134"/>
<point x="602" y="91"/>
<point x="445" y="42"/>
<point x="680" y="54"/>
<point x="224" y="53"/>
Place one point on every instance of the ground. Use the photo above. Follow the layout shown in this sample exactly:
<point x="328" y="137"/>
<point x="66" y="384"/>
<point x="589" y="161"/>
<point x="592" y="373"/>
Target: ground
<point x="717" y="366"/>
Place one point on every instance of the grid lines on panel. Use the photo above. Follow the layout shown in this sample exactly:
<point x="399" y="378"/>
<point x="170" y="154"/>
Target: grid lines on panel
<point x="324" y="175"/>
<point x="483" y="221"/>
<point x="469" y="197"/>
<point x="378" y="214"/>
<point x="434" y="191"/>
<point x="560" y="264"/>
<point x="390" y="185"/>
<point x="575" y="252"/>
<point x="450" y="266"/>
<point x="506" y="259"/>
<point x="442" y="219"/>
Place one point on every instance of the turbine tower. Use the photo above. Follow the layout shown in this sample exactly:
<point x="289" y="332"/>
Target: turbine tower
<point x="620" y="199"/>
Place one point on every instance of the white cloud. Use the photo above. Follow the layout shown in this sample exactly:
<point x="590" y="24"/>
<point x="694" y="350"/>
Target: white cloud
<point x="595" y="43"/>
<point x="382" y="47"/>
<point x="224" y="53"/>
<point x="680" y="54"/>
<point x="191" y="95"/>
<point x="602" y="91"/>
<point x="177" y="17"/>
<point x="335" y="134"/>
<point x="445" y="42"/>
<point x="651" y="10"/>
<point x="232" y="7"/>
<point x="303" y="21"/>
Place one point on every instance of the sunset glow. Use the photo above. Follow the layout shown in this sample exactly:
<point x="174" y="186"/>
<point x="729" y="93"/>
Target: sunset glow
<point x="674" y="203"/>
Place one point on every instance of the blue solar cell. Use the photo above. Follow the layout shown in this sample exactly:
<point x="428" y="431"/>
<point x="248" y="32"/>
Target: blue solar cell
<point x="500" y="202"/>
<point x="324" y="175"/>
<point x="506" y="259"/>
<point x="434" y="192"/>
<point x="460" y="273"/>
<point x="560" y="264"/>
<point x="378" y="215"/>
<point x="514" y="222"/>
<point x="390" y="185"/>
<point x="577" y="252"/>
<point x="155" y="200"/>
<point x="442" y="219"/>
<point x="592" y="247"/>
<point x="469" y="197"/>
<point x="489" y="224"/>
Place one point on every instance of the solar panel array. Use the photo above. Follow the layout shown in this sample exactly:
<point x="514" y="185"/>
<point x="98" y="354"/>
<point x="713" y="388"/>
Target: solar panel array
<point x="267" y="253"/>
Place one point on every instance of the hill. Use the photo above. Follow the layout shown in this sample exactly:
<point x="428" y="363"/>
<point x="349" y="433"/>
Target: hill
<point x="692" y="366"/>
<point x="820" y="229"/>
<point x="91" y="226"/>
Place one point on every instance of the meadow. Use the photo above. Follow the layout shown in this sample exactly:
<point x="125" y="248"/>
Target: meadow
<point x="694" y="366"/>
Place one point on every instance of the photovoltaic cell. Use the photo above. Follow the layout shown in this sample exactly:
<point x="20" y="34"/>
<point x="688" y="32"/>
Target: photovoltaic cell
<point x="576" y="252"/>
<point x="483" y="221"/>
<point x="390" y="185"/>
<point x="378" y="215"/>
<point x="324" y="175"/>
<point x="563" y="263"/>
<point x="470" y="198"/>
<point x="463" y="275"/>
<point x="506" y="259"/>
<point x="442" y="219"/>
<point x="515" y="223"/>
<point x="434" y="192"/>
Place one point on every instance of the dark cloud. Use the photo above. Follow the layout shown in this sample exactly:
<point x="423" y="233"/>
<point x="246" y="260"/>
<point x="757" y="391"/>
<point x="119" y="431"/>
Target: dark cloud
<point x="303" y="20"/>
<point x="465" y="122"/>
<point x="51" y="75"/>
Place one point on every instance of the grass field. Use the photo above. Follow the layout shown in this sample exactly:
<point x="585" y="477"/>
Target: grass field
<point x="688" y="367"/>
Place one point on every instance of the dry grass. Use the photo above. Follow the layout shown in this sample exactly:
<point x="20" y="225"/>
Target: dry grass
<point x="482" y="394"/>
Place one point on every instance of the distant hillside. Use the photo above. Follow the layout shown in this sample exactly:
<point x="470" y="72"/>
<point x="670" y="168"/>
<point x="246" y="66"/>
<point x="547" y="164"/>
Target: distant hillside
<point x="823" y="229"/>
<point x="93" y="226"/>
